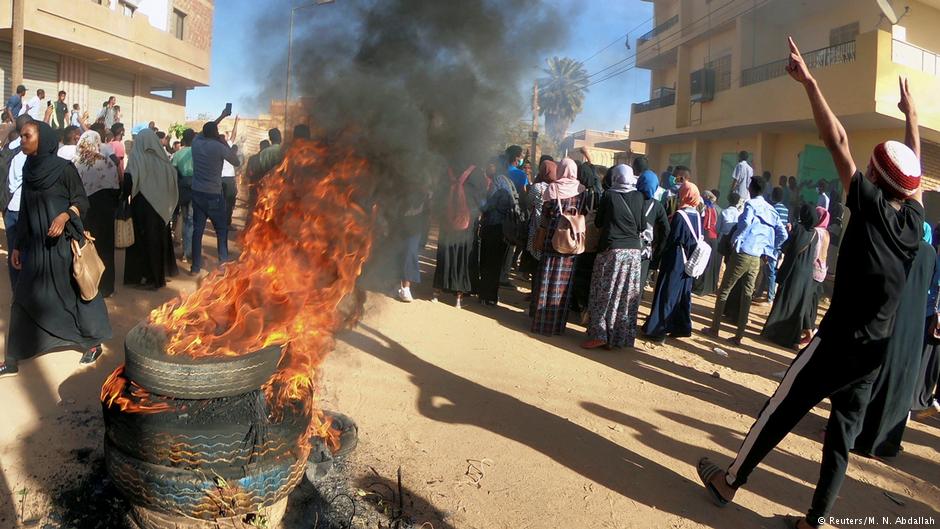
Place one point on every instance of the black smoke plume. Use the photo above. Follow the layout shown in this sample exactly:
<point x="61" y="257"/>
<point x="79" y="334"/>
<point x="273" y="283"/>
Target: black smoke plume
<point x="418" y="86"/>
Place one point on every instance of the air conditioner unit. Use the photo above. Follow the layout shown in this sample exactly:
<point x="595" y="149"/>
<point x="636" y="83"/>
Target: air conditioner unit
<point x="702" y="85"/>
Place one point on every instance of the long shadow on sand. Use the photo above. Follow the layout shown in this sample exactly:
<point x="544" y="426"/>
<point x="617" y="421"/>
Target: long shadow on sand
<point x="573" y="446"/>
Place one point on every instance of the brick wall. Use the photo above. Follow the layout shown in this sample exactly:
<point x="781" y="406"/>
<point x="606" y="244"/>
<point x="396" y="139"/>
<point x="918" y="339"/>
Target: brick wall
<point x="198" y="29"/>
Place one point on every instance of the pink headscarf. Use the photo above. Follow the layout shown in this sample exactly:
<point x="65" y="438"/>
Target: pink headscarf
<point x="823" y="217"/>
<point x="566" y="185"/>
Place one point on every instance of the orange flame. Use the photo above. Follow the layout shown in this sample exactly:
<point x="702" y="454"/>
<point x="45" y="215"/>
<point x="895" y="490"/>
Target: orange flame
<point x="120" y="392"/>
<point x="302" y="255"/>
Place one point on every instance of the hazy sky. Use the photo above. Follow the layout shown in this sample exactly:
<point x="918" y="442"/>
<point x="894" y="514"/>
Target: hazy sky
<point x="596" y="24"/>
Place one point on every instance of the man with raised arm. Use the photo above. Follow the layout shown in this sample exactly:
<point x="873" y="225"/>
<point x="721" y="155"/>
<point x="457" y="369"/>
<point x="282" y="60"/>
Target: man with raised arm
<point x="879" y="244"/>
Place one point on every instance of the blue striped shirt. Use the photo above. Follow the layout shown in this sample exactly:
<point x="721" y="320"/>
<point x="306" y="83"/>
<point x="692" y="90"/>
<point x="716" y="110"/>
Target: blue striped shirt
<point x="783" y="212"/>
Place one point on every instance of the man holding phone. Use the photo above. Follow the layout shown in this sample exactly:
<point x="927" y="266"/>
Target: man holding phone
<point x="210" y="152"/>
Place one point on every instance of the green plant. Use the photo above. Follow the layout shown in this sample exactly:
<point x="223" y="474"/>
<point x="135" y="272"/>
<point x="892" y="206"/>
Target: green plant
<point x="561" y="94"/>
<point x="177" y="130"/>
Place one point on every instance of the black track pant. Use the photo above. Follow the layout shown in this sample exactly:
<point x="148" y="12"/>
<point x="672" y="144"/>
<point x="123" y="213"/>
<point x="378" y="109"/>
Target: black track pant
<point x="840" y="369"/>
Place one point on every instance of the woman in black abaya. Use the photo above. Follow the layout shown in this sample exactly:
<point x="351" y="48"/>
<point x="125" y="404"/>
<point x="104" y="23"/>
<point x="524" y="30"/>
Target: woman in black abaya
<point x="48" y="312"/>
<point x="892" y="392"/>
<point x="795" y="306"/>
<point x="150" y="181"/>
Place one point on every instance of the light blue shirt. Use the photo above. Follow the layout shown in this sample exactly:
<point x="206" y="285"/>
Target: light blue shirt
<point x="727" y="219"/>
<point x="741" y="178"/>
<point x="760" y="230"/>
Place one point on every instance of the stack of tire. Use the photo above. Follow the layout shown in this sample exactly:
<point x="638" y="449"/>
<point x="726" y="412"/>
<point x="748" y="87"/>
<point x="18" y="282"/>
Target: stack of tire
<point x="200" y="446"/>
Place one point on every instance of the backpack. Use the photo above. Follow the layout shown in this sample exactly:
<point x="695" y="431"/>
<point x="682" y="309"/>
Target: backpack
<point x="570" y="234"/>
<point x="696" y="263"/>
<point x="515" y="225"/>
<point x="6" y="157"/>
<point x="646" y="236"/>
<point x="458" y="213"/>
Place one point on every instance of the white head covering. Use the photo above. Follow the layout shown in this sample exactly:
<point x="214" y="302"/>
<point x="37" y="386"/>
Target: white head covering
<point x="622" y="179"/>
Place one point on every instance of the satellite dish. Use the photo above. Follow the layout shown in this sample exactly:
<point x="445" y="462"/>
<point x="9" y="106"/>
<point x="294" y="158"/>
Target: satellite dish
<point x="888" y="11"/>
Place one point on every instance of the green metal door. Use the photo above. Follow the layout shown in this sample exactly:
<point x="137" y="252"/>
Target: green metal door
<point x="816" y="164"/>
<point x="680" y="158"/>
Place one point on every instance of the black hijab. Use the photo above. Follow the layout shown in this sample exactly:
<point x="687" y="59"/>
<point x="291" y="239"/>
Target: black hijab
<point x="44" y="168"/>
<point x="808" y="217"/>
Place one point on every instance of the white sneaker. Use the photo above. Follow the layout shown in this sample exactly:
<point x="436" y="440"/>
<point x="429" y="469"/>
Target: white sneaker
<point x="404" y="294"/>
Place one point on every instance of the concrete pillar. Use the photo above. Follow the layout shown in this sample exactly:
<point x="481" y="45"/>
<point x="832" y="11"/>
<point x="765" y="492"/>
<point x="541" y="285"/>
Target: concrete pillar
<point x="19" y="43"/>
<point x="702" y="173"/>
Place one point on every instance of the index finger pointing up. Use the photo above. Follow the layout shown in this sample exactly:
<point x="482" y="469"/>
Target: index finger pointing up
<point x="793" y="48"/>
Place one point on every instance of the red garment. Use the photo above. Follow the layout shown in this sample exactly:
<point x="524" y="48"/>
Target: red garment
<point x="710" y="223"/>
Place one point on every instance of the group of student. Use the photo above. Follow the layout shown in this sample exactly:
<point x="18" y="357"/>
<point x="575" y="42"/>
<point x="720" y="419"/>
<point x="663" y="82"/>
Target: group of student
<point x="574" y="224"/>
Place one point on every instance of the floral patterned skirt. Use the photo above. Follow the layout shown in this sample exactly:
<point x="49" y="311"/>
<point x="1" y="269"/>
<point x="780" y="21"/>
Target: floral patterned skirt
<point x="615" y="297"/>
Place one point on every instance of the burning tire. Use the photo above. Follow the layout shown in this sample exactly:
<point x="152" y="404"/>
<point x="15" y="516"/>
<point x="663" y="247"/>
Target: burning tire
<point x="214" y="495"/>
<point x="208" y="435"/>
<point x="349" y="432"/>
<point x="183" y="377"/>
<point x="144" y="518"/>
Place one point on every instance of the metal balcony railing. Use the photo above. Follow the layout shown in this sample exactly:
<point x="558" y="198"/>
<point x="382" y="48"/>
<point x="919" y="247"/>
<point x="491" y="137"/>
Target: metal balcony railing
<point x="907" y="54"/>
<point x="665" y="100"/>
<point x="658" y="30"/>
<point x="838" y="54"/>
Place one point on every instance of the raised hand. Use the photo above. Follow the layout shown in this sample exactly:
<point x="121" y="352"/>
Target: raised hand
<point x="797" y="67"/>
<point x="906" y="104"/>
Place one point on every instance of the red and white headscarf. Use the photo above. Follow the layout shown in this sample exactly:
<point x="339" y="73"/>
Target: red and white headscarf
<point x="896" y="168"/>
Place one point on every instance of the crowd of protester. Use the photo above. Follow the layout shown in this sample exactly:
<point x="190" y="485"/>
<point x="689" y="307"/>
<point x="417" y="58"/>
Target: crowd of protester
<point x="587" y="239"/>
<point x="583" y="238"/>
<point x="64" y="180"/>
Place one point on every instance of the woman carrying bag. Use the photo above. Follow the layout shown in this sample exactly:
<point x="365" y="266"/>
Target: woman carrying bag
<point x="48" y="311"/>
<point x="100" y="179"/>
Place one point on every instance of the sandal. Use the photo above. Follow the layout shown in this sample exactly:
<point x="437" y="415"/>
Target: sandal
<point x="708" y="331"/>
<point x="706" y="471"/>
<point x="594" y="344"/>
<point x="91" y="355"/>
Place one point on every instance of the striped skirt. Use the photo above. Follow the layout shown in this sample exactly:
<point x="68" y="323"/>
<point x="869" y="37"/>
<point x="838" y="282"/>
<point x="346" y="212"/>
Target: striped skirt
<point x="551" y="293"/>
<point x="615" y="297"/>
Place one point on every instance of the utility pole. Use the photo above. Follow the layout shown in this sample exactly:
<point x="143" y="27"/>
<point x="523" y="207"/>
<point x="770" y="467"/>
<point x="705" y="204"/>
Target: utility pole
<point x="535" y="127"/>
<point x="19" y="18"/>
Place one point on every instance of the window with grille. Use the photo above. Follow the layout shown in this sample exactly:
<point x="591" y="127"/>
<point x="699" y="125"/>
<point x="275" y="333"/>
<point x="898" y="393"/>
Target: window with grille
<point x="843" y="34"/>
<point x="128" y="9"/>
<point x="722" y="68"/>
<point x="179" y="24"/>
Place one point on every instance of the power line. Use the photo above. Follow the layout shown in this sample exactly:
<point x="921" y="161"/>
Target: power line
<point x="617" y="73"/>
<point x="618" y="39"/>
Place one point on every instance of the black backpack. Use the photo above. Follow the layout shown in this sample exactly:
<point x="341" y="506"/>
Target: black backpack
<point x="6" y="156"/>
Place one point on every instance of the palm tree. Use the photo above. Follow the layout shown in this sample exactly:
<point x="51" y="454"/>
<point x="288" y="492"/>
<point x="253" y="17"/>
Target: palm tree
<point x="561" y="94"/>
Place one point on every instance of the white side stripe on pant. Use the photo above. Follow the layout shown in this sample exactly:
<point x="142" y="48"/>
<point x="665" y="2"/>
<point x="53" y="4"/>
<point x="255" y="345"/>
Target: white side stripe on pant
<point x="782" y="390"/>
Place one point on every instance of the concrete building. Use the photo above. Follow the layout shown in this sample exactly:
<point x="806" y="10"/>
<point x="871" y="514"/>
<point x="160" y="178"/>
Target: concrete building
<point x="147" y="53"/>
<point x="719" y="84"/>
<point x="605" y="148"/>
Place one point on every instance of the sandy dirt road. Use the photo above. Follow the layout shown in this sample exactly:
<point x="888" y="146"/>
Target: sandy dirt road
<point x="493" y="427"/>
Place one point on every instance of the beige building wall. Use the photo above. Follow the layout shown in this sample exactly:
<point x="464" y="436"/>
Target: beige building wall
<point x="771" y="118"/>
<point x="143" y="62"/>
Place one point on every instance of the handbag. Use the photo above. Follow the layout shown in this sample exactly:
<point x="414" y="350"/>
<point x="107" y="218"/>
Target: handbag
<point x="87" y="267"/>
<point x="123" y="225"/>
